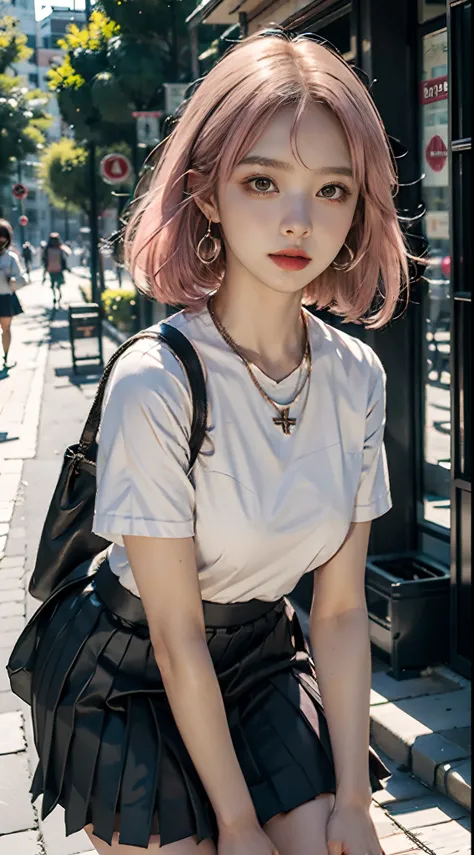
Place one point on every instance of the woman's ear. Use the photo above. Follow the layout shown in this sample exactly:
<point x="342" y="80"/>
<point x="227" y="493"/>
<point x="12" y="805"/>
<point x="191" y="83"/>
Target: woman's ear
<point x="207" y="206"/>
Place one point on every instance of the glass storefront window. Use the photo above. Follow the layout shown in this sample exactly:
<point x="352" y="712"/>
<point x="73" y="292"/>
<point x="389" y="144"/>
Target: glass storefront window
<point x="436" y="304"/>
<point x="429" y="9"/>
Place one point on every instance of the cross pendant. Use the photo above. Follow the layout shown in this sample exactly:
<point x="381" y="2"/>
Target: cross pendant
<point x="284" y="420"/>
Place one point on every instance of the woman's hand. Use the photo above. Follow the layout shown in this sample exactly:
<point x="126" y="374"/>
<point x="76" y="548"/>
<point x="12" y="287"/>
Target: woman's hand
<point x="350" y="831"/>
<point x="247" y="841"/>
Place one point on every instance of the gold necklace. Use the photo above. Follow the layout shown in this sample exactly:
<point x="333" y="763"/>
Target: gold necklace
<point x="283" y="419"/>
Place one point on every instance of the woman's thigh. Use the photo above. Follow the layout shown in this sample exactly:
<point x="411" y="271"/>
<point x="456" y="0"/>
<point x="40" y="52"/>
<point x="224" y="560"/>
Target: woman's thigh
<point x="183" y="847"/>
<point x="303" y="830"/>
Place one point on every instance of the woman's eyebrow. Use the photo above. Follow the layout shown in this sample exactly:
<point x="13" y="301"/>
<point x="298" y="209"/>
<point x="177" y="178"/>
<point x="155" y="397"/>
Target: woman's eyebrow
<point x="270" y="163"/>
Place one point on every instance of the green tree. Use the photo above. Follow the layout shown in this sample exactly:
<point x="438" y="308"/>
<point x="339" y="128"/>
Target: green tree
<point x="118" y="63"/>
<point x="89" y="97"/>
<point x="23" y="118"/>
<point x="66" y="178"/>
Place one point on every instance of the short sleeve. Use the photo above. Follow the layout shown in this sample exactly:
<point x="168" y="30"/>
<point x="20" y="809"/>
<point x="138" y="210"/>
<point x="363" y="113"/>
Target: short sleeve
<point x="143" y="454"/>
<point x="373" y="495"/>
<point x="16" y="271"/>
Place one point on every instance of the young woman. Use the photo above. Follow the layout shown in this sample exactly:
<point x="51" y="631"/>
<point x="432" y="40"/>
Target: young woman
<point x="55" y="263"/>
<point x="175" y="702"/>
<point x="11" y="278"/>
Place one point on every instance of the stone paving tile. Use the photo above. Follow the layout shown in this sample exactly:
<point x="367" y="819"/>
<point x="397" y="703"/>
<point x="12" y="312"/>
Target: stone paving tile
<point x="455" y="780"/>
<point x="447" y="838"/>
<point x="383" y="823"/>
<point x="16" y="811"/>
<point x="12" y="624"/>
<point x="4" y="681"/>
<point x="426" y="811"/>
<point x="9" y="583"/>
<point x="9" y="485"/>
<point x="460" y="736"/>
<point x="12" y="738"/>
<point x="9" y="638"/>
<point x="8" y="701"/>
<point x="399" y="844"/>
<point x="18" y="561"/>
<point x="440" y="712"/>
<point x="12" y="595"/>
<point x="395" y="731"/>
<point x="400" y="787"/>
<point x="431" y="750"/>
<point x="24" y="843"/>
<point x="11" y="609"/>
<point x="11" y="466"/>
<point x="6" y="511"/>
<point x="16" y="573"/>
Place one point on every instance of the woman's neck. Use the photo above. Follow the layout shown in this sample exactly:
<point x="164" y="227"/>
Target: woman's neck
<point x="266" y="326"/>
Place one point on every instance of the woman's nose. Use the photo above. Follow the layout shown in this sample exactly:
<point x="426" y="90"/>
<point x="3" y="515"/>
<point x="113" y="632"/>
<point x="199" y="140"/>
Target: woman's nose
<point x="297" y="223"/>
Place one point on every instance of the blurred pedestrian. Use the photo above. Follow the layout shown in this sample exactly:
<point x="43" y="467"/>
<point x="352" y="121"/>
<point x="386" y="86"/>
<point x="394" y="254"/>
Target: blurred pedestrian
<point x="55" y="255"/>
<point x="27" y="252"/>
<point x="11" y="279"/>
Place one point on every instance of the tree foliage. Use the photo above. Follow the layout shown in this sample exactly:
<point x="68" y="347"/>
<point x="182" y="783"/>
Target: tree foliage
<point x="23" y="116"/>
<point x="118" y="63"/>
<point x="88" y="95"/>
<point x="65" y="174"/>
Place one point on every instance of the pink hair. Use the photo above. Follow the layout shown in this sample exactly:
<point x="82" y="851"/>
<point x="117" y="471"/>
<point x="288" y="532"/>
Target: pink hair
<point x="220" y="124"/>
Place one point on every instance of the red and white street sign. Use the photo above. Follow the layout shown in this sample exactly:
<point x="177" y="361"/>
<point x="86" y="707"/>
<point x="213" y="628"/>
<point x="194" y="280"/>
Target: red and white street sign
<point x="115" y="168"/>
<point x="23" y="220"/>
<point x="19" y="191"/>
<point x="436" y="153"/>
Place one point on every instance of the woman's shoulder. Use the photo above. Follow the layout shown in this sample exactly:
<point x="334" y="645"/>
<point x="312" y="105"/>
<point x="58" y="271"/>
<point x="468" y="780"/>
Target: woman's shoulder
<point x="151" y="367"/>
<point x="354" y="357"/>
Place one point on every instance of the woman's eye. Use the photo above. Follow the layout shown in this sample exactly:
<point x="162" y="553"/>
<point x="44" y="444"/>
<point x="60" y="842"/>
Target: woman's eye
<point x="261" y="185"/>
<point x="334" y="192"/>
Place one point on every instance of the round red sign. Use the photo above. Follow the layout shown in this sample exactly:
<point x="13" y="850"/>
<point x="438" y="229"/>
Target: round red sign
<point x="436" y="153"/>
<point x="115" y="168"/>
<point x="23" y="220"/>
<point x="19" y="191"/>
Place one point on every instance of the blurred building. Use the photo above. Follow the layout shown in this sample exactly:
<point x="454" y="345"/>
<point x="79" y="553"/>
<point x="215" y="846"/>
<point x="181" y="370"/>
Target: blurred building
<point x="416" y="54"/>
<point x="42" y="38"/>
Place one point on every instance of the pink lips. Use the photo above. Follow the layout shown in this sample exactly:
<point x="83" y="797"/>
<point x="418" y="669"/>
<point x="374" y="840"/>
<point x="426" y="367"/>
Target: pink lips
<point x="290" y="259"/>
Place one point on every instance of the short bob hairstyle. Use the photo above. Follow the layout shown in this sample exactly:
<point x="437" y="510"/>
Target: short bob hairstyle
<point x="7" y="231"/>
<point x="220" y="123"/>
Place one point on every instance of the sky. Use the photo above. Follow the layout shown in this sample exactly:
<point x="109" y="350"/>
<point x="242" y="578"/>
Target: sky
<point x="42" y="7"/>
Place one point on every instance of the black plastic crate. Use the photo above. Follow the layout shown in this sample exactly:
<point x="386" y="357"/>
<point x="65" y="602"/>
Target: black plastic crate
<point x="408" y="605"/>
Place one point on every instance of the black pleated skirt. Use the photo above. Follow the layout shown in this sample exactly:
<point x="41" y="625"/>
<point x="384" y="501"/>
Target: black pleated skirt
<point x="109" y="750"/>
<point x="9" y="306"/>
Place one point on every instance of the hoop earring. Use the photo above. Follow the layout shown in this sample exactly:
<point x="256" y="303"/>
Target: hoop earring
<point x="347" y="266"/>
<point x="207" y="256"/>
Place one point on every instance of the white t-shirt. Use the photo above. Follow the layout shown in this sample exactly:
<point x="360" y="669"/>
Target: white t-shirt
<point x="263" y="507"/>
<point x="10" y="267"/>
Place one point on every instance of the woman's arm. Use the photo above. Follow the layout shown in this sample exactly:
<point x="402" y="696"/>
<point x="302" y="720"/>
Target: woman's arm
<point x="166" y="576"/>
<point x="17" y="279"/>
<point x="340" y="641"/>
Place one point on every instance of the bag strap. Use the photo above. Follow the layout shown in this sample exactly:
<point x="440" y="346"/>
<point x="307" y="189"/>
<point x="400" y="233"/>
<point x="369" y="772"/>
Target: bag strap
<point x="185" y="352"/>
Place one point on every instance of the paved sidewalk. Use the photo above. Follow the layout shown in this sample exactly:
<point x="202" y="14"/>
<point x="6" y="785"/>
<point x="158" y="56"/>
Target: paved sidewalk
<point x="42" y="409"/>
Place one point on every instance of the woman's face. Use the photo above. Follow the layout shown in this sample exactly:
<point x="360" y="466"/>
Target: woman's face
<point x="4" y="241"/>
<point x="273" y="203"/>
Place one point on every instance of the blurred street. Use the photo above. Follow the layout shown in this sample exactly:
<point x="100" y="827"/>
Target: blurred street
<point x="42" y="409"/>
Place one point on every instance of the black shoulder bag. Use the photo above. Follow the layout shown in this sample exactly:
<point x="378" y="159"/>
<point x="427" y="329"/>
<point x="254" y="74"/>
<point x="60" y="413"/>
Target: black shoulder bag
<point x="67" y="540"/>
<point x="68" y="546"/>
